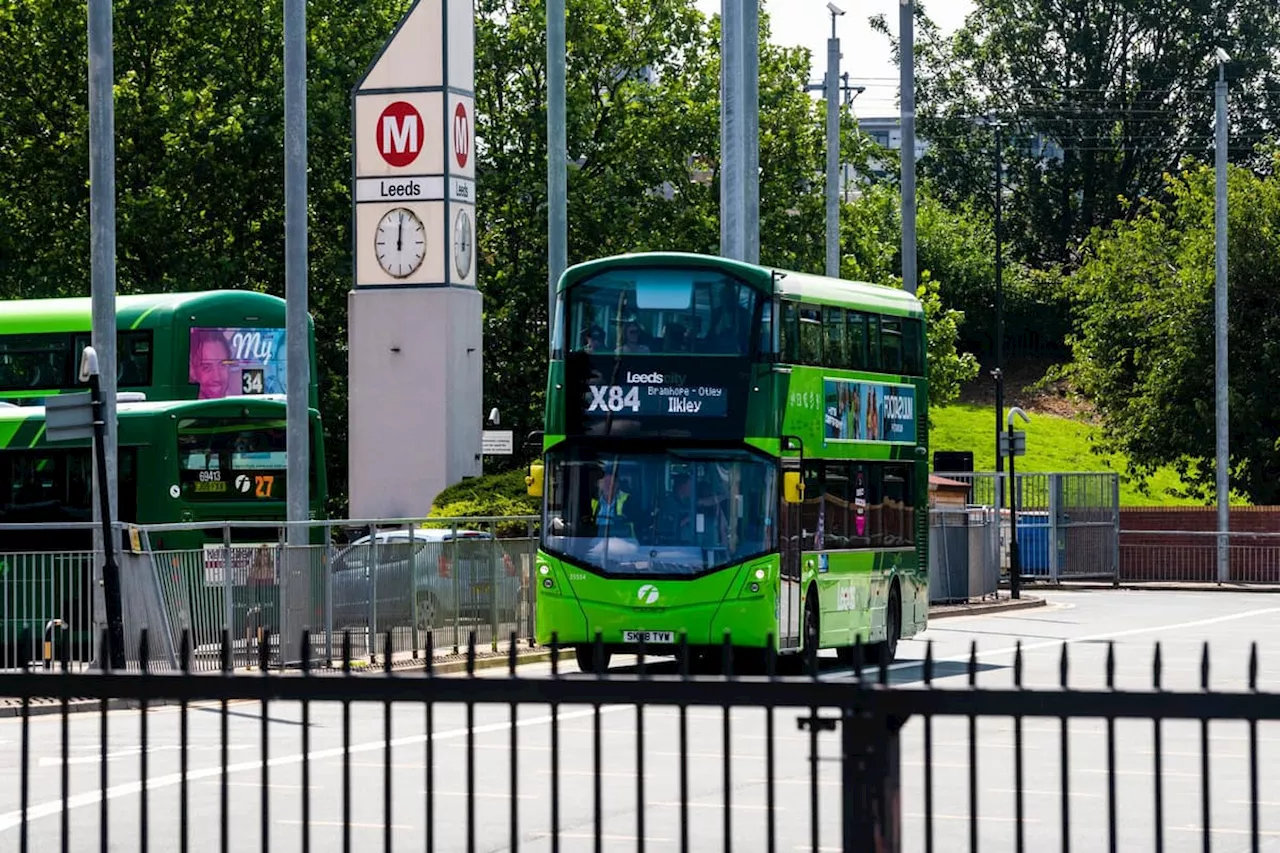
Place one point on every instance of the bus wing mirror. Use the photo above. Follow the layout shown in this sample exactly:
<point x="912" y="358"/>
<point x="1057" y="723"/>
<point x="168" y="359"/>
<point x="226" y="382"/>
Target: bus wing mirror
<point x="792" y="487"/>
<point x="534" y="480"/>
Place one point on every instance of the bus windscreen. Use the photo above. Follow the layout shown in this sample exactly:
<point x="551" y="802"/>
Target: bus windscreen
<point x="224" y="459"/>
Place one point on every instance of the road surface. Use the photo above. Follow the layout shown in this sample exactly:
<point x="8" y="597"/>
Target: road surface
<point x="1135" y="620"/>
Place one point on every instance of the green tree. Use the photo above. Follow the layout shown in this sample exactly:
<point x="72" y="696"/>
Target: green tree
<point x="199" y="129"/>
<point x="1100" y="97"/>
<point x="1144" y="344"/>
<point x="199" y="156"/>
<point x="643" y="148"/>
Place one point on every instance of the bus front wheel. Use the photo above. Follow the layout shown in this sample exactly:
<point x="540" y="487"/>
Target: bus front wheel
<point x="886" y="651"/>
<point x="812" y="632"/>
<point x="586" y="656"/>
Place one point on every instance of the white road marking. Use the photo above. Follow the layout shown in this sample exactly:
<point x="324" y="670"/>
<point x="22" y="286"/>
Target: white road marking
<point x="10" y="820"/>
<point x="1055" y="644"/>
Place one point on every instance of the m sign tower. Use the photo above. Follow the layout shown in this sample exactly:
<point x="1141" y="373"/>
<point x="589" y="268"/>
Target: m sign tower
<point x="416" y="380"/>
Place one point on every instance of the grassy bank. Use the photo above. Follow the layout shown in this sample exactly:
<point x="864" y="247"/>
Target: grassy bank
<point x="1053" y="444"/>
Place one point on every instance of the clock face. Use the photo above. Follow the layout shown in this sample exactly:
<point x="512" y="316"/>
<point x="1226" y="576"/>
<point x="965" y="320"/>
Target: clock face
<point x="462" y="243"/>
<point x="400" y="242"/>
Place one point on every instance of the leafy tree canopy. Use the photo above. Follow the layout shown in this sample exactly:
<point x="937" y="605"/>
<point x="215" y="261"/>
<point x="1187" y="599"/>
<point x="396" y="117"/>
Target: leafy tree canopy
<point x="1144" y="343"/>
<point x="1100" y="98"/>
<point x="199" y="141"/>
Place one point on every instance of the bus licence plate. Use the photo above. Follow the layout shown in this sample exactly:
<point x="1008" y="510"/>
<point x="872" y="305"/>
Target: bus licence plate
<point x="649" y="636"/>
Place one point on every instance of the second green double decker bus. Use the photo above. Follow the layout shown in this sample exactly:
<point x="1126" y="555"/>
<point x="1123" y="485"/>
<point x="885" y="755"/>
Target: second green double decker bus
<point x="732" y="449"/>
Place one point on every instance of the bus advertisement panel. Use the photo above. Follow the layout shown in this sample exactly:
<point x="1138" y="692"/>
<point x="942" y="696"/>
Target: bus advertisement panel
<point x="238" y="361"/>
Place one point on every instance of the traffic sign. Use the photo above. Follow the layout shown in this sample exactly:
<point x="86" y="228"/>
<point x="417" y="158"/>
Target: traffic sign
<point x="461" y="135"/>
<point x="1019" y="443"/>
<point x="68" y="417"/>
<point x="400" y="134"/>
<point x="497" y="442"/>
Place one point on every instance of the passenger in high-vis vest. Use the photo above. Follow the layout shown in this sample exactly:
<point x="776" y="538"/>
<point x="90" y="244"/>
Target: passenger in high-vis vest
<point x="608" y="505"/>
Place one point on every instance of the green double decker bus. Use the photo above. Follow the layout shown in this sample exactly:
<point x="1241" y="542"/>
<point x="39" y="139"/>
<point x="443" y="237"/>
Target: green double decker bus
<point x="179" y="461"/>
<point x="732" y="450"/>
<point x="170" y="346"/>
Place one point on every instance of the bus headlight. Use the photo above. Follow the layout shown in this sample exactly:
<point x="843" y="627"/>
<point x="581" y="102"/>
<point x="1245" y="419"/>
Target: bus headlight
<point x="548" y="579"/>
<point x="756" y="583"/>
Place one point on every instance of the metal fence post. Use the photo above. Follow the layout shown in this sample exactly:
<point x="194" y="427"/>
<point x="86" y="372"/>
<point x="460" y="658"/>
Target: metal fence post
<point x="371" y="629"/>
<point x="228" y="594"/>
<point x="451" y="548"/>
<point x="1115" y="515"/>
<point x="872" y="782"/>
<point x="327" y="592"/>
<point x="1055" y="507"/>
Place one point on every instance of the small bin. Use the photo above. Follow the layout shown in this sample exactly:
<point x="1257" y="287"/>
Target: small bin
<point x="1033" y="543"/>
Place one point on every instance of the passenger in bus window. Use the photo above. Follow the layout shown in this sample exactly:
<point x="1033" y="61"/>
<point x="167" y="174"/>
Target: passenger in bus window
<point x="675" y="520"/>
<point x="675" y="339"/>
<point x="631" y="341"/>
<point x="593" y="339"/>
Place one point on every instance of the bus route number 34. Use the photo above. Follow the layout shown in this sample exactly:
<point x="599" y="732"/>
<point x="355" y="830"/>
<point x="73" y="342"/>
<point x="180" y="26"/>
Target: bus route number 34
<point x="614" y="398"/>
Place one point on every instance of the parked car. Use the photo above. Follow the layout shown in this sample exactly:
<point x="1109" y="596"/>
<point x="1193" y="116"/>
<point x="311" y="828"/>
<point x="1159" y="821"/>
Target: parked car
<point x="427" y="577"/>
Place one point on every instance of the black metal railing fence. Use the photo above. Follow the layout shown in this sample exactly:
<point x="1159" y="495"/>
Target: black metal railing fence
<point x="403" y="760"/>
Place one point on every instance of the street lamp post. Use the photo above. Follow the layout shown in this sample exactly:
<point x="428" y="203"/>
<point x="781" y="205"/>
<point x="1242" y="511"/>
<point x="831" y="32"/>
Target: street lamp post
<point x="833" y="146"/>
<point x="1015" y="563"/>
<point x="1222" y="480"/>
<point x="998" y="372"/>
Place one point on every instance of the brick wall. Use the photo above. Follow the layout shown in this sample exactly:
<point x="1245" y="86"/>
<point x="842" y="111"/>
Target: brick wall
<point x="1176" y="547"/>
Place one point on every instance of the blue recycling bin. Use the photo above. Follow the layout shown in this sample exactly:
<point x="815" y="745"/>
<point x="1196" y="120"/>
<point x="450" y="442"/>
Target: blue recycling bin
<point x="1033" y="543"/>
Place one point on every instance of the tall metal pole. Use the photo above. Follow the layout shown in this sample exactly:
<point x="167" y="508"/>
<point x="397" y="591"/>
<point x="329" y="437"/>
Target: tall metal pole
<point x="907" y="69"/>
<point x="733" y="145"/>
<point x="297" y="426"/>
<point x="1223" y="484"/>
<point x="557" y="154"/>
<point x="110" y="570"/>
<point x="750" y="92"/>
<point x="102" y="257"/>
<point x="833" y="147"/>
<point x="998" y="372"/>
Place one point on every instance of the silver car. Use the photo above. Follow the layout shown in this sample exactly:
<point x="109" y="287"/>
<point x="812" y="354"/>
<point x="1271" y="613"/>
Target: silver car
<point x="430" y="578"/>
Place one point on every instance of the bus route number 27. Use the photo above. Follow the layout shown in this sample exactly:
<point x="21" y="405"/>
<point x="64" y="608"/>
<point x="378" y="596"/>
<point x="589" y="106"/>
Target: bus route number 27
<point x="614" y="398"/>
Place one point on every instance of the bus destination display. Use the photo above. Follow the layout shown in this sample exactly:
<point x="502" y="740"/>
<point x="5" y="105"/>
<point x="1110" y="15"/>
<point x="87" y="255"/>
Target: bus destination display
<point x="656" y="394"/>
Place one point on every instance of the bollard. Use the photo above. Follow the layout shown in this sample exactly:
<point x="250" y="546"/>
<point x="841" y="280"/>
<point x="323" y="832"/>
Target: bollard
<point x="48" y="640"/>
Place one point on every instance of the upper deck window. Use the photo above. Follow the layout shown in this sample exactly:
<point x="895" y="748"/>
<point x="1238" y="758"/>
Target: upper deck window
<point x="636" y="311"/>
<point x="50" y="361"/>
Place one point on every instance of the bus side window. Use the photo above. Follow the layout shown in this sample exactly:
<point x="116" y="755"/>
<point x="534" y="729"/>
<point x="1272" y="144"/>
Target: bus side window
<point x="836" y="353"/>
<point x="836" y="500"/>
<point x="891" y="345"/>
<point x="810" y="336"/>
<point x="875" y="506"/>
<point x="790" y="332"/>
<point x="897" y="520"/>
<point x="912" y="347"/>
<point x="767" y="343"/>
<point x="856" y="326"/>
<point x="873" y="342"/>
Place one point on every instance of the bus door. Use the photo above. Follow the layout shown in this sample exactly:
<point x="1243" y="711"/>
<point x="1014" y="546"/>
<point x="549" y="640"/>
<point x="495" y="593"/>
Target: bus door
<point x="789" y="535"/>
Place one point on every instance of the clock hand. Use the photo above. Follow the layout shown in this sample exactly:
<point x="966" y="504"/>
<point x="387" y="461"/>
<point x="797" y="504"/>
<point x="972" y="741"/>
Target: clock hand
<point x="400" y="234"/>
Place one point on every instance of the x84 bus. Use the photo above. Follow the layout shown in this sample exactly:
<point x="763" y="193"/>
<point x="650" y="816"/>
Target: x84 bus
<point x="731" y="449"/>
